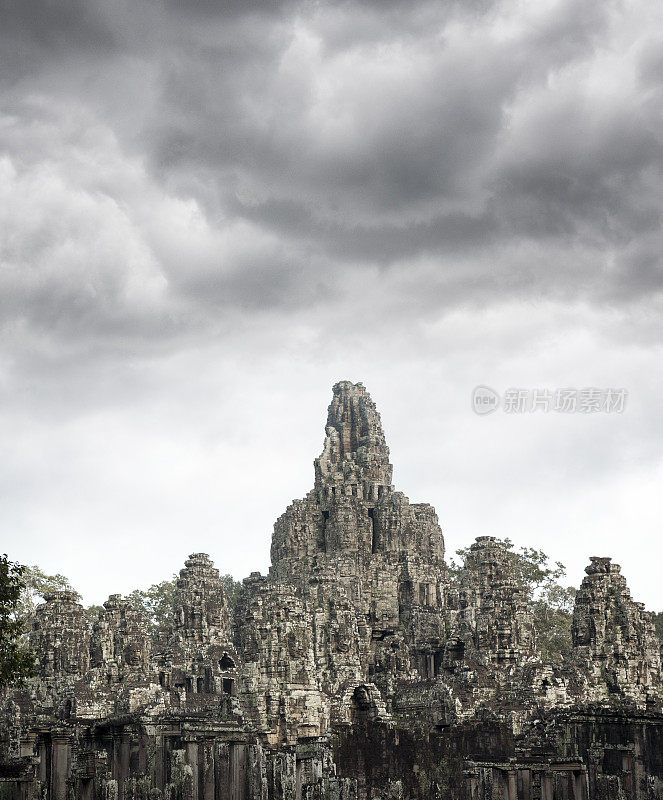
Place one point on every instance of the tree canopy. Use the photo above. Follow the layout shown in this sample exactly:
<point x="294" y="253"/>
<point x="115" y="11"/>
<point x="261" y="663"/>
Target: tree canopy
<point x="16" y="660"/>
<point x="157" y="602"/>
<point x="35" y="585"/>
<point x="551" y="602"/>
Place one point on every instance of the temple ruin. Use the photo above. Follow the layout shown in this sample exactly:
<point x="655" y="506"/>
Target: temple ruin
<point x="358" y="668"/>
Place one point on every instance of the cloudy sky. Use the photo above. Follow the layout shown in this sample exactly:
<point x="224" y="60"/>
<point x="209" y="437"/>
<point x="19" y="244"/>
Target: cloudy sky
<point x="212" y="211"/>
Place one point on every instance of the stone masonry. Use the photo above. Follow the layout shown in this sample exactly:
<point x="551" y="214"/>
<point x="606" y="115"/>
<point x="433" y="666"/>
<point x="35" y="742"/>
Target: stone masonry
<point x="358" y="668"/>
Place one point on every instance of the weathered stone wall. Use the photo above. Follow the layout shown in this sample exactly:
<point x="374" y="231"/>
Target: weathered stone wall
<point x="60" y="636"/>
<point x="614" y="639"/>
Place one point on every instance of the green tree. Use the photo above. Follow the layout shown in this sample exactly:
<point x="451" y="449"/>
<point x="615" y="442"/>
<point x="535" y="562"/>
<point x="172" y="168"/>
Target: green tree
<point x="551" y="601"/>
<point x="37" y="584"/>
<point x="158" y="602"/>
<point x="16" y="661"/>
<point x="553" y="612"/>
<point x="92" y="613"/>
<point x="231" y="587"/>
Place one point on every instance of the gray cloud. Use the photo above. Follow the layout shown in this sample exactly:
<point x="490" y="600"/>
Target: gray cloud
<point x="470" y="151"/>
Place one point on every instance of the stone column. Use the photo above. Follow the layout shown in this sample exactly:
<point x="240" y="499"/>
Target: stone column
<point x="121" y="751"/>
<point x="206" y="755"/>
<point x="60" y="763"/>
<point x="192" y="760"/>
<point x="512" y="786"/>
<point x="222" y="771"/>
<point x="159" y="778"/>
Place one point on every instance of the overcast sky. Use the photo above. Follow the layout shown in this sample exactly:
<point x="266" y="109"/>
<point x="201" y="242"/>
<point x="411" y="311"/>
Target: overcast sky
<point x="212" y="211"/>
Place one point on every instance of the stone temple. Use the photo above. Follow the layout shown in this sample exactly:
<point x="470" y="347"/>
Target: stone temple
<point x="358" y="668"/>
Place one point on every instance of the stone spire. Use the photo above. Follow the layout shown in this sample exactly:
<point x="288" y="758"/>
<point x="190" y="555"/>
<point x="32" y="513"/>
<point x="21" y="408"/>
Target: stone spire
<point x="119" y="640"/>
<point x="201" y="610"/>
<point x="615" y="636"/>
<point x="494" y="616"/>
<point x="353" y="509"/>
<point x="60" y="635"/>
<point x="355" y="452"/>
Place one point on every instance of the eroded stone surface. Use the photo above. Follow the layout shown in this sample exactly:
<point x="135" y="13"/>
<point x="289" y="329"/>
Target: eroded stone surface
<point x="614" y="639"/>
<point x="357" y="668"/>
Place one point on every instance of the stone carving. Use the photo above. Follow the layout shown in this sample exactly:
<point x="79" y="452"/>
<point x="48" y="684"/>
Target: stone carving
<point x="614" y="639"/>
<point x="60" y="636"/>
<point x="357" y="668"/>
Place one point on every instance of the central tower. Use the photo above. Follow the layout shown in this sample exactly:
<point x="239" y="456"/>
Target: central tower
<point x="353" y="526"/>
<point x="355" y="455"/>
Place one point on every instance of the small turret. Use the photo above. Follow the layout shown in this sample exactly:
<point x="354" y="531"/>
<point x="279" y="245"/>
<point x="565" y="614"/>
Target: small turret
<point x="120" y="637"/>
<point x="494" y="617"/>
<point x="60" y="635"/>
<point x="355" y="452"/>
<point x="201" y="610"/>
<point x="614" y="636"/>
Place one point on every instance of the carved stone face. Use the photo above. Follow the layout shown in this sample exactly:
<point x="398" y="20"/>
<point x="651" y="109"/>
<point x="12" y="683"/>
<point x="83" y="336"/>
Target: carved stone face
<point x="343" y="639"/>
<point x="297" y="643"/>
<point x="133" y="655"/>
<point x="361" y="697"/>
<point x="96" y="654"/>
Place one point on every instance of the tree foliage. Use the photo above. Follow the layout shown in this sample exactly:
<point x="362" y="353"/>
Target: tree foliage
<point x="92" y="613"/>
<point x="657" y="616"/>
<point x="551" y="602"/>
<point x="158" y="602"/>
<point x="231" y="588"/>
<point x="36" y="585"/>
<point x="553" y="612"/>
<point x="16" y="661"/>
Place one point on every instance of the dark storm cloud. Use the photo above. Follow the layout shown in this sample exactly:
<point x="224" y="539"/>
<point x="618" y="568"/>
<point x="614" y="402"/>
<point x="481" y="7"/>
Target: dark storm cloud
<point x="380" y="122"/>
<point x="253" y="156"/>
<point x="52" y="27"/>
